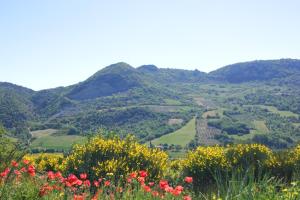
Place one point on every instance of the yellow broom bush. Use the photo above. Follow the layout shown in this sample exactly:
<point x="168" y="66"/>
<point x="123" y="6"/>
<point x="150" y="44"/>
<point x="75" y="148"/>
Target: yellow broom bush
<point x="99" y="157"/>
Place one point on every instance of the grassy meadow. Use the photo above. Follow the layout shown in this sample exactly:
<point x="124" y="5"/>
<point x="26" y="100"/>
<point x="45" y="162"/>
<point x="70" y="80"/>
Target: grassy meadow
<point x="181" y="136"/>
<point x="46" y="139"/>
<point x="283" y="113"/>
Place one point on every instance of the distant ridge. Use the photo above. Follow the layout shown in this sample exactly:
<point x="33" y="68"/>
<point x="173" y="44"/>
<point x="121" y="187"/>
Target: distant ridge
<point x="259" y="70"/>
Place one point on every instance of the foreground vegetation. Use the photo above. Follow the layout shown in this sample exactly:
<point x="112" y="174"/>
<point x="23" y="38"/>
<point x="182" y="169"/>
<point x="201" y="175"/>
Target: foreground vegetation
<point x="114" y="168"/>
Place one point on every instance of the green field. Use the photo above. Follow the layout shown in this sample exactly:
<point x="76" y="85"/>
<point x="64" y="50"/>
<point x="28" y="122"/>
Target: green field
<point x="280" y="112"/>
<point x="167" y="108"/>
<point x="180" y="137"/>
<point x="259" y="128"/>
<point x="43" y="133"/>
<point x="57" y="142"/>
<point x="296" y="125"/>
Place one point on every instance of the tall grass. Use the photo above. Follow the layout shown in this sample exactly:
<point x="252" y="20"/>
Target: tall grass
<point x="250" y="185"/>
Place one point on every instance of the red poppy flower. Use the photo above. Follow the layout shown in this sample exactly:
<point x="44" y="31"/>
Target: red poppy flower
<point x="176" y="192"/>
<point x="17" y="172"/>
<point x="151" y="184"/>
<point x="72" y="180"/>
<point x="58" y="175"/>
<point x="78" y="197"/>
<point x="51" y="175"/>
<point x="188" y="179"/>
<point x="133" y="175"/>
<point x="179" y="188"/>
<point x="78" y="182"/>
<point x="163" y="184"/>
<point x="23" y="169"/>
<point x="68" y="184"/>
<point x="143" y="173"/>
<point x="169" y="189"/>
<point x="83" y="176"/>
<point x="31" y="170"/>
<point x="187" y="197"/>
<point x="14" y="163"/>
<point x="107" y="183"/>
<point x="129" y="180"/>
<point x="45" y="189"/>
<point x="55" y="187"/>
<point x="26" y="162"/>
<point x="5" y="172"/>
<point x="147" y="188"/>
<point x="87" y="183"/>
<point x="141" y="180"/>
<point x="96" y="183"/>
<point x="155" y="194"/>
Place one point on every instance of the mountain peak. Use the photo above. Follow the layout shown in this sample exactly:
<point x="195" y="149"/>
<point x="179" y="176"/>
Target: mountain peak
<point x="118" y="66"/>
<point x="115" y="78"/>
<point x="11" y="86"/>
<point x="148" y="68"/>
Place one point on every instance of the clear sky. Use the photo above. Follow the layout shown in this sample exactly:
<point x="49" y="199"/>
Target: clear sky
<point x="49" y="43"/>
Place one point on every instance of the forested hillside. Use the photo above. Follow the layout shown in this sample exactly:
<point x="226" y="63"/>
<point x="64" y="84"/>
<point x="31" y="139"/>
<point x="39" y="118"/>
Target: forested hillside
<point x="261" y="70"/>
<point x="244" y="102"/>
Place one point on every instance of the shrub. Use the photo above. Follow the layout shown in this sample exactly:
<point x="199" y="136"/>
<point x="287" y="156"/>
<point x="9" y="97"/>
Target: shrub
<point x="206" y="164"/>
<point x="280" y="166"/>
<point x="46" y="161"/>
<point x="99" y="157"/>
<point x="294" y="157"/>
<point x="294" y="161"/>
<point x="203" y="163"/>
<point x="246" y="155"/>
<point x="285" y="164"/>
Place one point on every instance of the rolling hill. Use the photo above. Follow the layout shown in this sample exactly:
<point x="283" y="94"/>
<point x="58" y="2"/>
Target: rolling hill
<point x="143" y="100"/>
<point x="116" y="78"/>
<point x="261" y="70"/>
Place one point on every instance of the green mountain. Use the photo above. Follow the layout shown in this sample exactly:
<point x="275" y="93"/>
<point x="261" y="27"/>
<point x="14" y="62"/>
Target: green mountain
<point x="15" y="105"/>
<point x="113" y="79"/>
<point x="261" y="70"/>
<point x="50" y="102"/>
<point x="149" y="102"/>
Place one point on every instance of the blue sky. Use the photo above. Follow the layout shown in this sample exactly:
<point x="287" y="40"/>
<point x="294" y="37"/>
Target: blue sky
<point x="49" y="43"/>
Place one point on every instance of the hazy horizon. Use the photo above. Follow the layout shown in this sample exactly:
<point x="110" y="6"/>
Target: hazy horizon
<point x="58" y="43"/>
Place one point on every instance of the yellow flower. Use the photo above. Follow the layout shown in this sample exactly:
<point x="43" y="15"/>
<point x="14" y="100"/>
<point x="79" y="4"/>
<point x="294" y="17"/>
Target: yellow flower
<point x="116" y="157"/>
